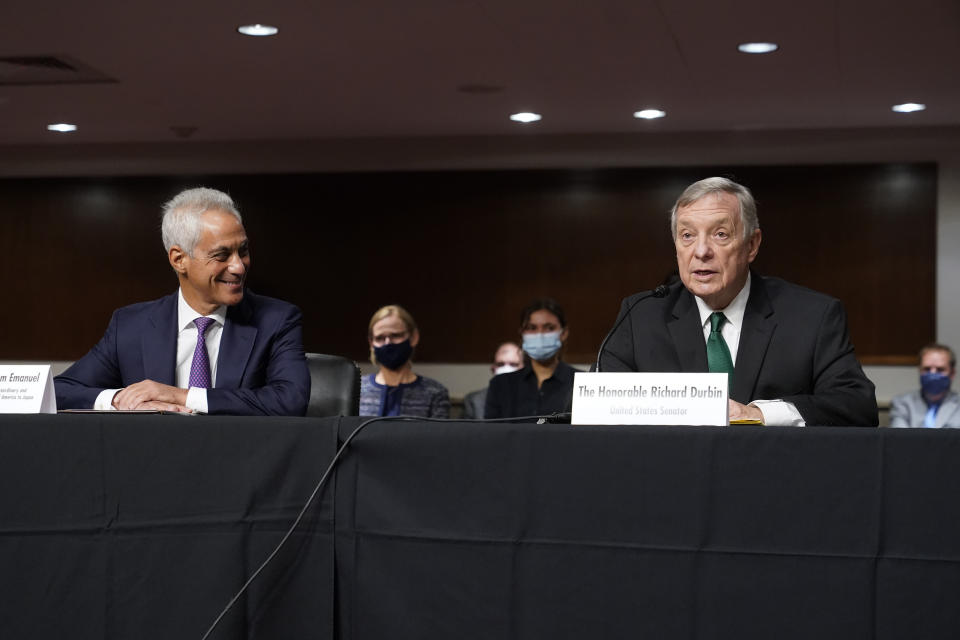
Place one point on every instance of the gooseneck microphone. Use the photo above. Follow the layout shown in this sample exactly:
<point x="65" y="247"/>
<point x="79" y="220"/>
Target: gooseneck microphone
<point x="660" y="292"/>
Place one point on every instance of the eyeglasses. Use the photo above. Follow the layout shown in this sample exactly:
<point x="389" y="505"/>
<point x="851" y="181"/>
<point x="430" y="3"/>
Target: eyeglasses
<point x="383" y="338"/>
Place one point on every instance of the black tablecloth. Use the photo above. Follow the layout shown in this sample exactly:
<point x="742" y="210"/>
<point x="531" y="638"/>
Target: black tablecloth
<point x="144" y="526"/>
<point x="140" y="527"/>
<point x="510" y="531"/>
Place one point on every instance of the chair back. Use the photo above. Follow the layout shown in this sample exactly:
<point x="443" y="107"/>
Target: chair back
<point x="334" y="386"/>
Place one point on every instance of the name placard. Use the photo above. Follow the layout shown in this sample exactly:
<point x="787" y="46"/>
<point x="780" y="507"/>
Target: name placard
<point x="650" y="398"/>
<point x="26" y="388"/>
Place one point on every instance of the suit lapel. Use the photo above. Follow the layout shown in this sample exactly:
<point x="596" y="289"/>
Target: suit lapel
<point x="759" y="323"/>
<point x="158" y="343"/>
<point x="236" y="343"/>
<point x="687" y="333"/>
<point x="950" y="405"/>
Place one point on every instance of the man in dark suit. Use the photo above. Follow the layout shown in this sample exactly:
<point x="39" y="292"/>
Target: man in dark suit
<point x="212" y="347"/>
<point x="786" y="348"/>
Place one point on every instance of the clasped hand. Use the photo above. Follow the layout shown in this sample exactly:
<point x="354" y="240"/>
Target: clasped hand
<point x="744" y="411"/>
<point x="153" y="396"/>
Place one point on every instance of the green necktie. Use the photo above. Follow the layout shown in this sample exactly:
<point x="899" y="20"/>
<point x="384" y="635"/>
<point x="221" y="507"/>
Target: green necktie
<point x="718" y="355"/>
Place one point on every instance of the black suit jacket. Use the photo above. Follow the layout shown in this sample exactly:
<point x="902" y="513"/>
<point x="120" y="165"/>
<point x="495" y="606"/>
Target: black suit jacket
<point x="794" y="346"/>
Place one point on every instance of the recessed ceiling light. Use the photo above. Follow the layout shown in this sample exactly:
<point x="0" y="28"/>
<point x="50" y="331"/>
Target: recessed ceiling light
<point x="757" y="47"/>
<point x="258" y="30"/>
<point x="649" y="114"/>
<point x="525" y="116"/>
<point x="908" y="107"/>
<point x="62" y="127"/>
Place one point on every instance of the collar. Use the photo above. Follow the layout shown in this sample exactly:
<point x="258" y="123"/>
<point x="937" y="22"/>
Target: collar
<point x="527" y="371"/>
<point x="734" y="311"/>
<point x="373" y="381"/>
<point x="187" y="314"/>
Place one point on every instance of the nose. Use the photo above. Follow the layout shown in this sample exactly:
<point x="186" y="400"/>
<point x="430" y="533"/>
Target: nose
<point x="703" y="249"/>
<point x="236" y="264"/>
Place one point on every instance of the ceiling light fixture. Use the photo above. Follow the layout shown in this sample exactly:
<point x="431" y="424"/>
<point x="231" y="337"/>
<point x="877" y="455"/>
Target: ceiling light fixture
<point x="258" y="30"/>
<point x="62" y="127"/>
<point x="908" y="107"/>
<point x="757" y="47"/>
<point x="649" y="114"/>
<point x="525" y="116"/>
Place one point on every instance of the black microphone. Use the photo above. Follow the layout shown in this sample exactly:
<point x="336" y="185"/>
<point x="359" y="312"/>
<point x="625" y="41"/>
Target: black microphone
<point x="660" y="292"/>
<point x="557" y="417"/>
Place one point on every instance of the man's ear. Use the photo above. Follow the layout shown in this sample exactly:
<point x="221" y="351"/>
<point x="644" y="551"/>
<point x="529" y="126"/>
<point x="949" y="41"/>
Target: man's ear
<point x="415" y="338"/>
<point x="754" y="244"/>
<point x="178" y="259"/>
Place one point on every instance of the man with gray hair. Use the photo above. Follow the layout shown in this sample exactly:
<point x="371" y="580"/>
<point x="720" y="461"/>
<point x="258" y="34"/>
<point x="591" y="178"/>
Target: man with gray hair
<point x="211" y="347"/>
<point x="786" y="349"/>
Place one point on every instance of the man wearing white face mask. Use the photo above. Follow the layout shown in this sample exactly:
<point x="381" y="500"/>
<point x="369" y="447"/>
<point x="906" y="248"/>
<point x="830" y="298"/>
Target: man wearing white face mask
<point x="934" y="404"/>
<point x="546" y="385"/>
<point x="507" y="359"/>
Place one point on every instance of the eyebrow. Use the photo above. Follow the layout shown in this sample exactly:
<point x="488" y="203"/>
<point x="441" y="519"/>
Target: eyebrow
<point x="223" y="247"/>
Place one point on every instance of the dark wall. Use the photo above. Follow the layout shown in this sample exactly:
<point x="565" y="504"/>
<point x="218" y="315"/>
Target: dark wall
<point x="464" y="251"/>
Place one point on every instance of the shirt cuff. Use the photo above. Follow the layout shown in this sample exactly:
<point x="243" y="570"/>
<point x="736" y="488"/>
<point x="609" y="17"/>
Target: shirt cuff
<point x="778" y="413"/>
<point x="196" y="400"/>
<point x="104" y="401"/>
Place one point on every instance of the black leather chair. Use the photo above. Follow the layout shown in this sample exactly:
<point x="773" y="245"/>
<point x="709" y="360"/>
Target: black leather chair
<point x="334" y="386"/>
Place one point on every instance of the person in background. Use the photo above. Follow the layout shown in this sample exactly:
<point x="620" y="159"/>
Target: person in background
<point x="546" y="385"/>
<point x="933" y="404"/>
<point x="395" y="390"/>
<point x="507" y="359"/>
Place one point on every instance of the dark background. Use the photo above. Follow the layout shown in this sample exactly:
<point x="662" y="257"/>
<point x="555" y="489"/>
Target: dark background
<point x="464" y="251"/>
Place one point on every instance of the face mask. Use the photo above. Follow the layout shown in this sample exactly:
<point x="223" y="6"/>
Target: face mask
<point x="542" y="346"/>
<point x="933" y="383"/>
<point x="393" y="355"/>
<point x="507" y="368"/>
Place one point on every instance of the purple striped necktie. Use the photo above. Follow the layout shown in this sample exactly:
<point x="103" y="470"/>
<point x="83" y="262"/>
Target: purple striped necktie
<point x="200" y="369"/>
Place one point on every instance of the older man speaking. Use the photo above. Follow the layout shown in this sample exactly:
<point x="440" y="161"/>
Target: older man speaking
<point x="786" y="348"/>
<point x="210" y="347"/>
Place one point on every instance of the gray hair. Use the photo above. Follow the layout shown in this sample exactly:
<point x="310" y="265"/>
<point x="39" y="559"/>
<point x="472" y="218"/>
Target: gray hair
<point x="711" y="186"/>
<point x="181" y="216"/>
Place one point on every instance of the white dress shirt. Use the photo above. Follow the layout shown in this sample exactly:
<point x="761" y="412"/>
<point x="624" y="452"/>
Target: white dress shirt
<point x="186" y="344"/>
<point x="776" y="413"/>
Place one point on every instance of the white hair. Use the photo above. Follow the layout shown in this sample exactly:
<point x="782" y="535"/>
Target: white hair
<point x="713" y="186"/>
<point x="181" y="224"/>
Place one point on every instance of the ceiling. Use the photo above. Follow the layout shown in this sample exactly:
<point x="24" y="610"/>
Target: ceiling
<point x="383" y="68"/>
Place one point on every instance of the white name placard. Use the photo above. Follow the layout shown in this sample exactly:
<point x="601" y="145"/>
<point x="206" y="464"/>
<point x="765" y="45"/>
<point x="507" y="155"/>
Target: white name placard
<point x="650" y="398"/>
<point x="26" y="388"/>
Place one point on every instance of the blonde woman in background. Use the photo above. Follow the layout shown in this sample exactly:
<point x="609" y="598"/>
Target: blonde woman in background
<point x="395" y="390"/>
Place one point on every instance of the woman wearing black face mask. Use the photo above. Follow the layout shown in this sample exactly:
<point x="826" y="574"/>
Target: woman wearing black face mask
<point x="395" y="390"/>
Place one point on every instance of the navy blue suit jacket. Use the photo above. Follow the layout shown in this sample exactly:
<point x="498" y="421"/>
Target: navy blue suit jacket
<point x="261" y="367"/>
<point x="794" y="346"/>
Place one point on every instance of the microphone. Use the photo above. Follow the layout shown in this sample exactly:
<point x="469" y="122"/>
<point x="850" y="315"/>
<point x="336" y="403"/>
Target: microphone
<point x="660" y="292"/>
<point x="557" y="417"/>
